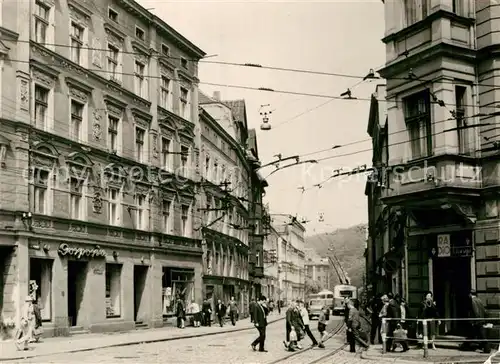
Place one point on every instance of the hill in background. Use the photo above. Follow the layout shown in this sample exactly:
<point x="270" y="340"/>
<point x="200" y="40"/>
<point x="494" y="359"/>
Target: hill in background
<point x="349" y="247"/>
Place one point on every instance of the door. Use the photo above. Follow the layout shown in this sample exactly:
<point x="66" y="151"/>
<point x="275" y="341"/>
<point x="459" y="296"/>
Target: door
<point x="77" y="275"/>
<point x="452" y="284"/>
<point x="140" y="275"/>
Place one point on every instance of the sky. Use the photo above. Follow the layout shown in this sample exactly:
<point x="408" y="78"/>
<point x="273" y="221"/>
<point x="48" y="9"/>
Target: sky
<point x="342" y="37"/>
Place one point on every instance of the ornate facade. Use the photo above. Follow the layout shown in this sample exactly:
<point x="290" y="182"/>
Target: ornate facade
<point x="100" y="123"/>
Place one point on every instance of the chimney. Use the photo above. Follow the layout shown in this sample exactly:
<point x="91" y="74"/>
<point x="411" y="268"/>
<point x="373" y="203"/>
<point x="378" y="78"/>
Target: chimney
<point x="216" y="95"/>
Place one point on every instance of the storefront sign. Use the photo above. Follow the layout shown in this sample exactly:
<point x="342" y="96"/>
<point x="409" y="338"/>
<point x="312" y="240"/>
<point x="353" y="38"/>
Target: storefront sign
<point x="461" y="251"/>
<point x="65" y="249"/>
<point x="443" y="245"/>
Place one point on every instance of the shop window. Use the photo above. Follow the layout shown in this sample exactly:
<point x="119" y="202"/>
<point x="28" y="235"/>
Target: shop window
<point x="177" y="283"/>
<point x="41" y="285"/>
<point x="113" y="290"/>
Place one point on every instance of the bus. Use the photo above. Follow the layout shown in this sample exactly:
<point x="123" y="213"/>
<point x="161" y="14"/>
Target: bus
<point x="340" y="293"/>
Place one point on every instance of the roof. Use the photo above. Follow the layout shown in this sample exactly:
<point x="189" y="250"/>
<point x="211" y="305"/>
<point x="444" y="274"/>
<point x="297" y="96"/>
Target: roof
<point x="205" y="99"/>
<point x="252" y="142"/>
<point x="238" y="108"/>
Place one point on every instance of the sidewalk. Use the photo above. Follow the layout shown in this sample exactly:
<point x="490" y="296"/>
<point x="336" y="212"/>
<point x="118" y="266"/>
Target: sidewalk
<point x="440" y="355"/>
<point x="86" y="342"/>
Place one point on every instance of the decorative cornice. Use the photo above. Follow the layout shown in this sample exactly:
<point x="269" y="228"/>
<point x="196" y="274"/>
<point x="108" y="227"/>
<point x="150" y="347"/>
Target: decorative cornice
<point x="183" y="74"/>
<point x="115" y="102"/>
<point x="136" y="112"/>
<point x="81" y="7"/>
<point x="163" y="61"/>
<point x="111" y="28"/>
<point x="45" y="68"/>
<point x="72" y="82"/>
<point x="140" y="47"/>
<point x="8" y="34"/>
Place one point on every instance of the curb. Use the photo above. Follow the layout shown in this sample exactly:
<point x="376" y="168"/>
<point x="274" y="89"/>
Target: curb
<point x="379" y="358"/>
<point x="136" y="342"/>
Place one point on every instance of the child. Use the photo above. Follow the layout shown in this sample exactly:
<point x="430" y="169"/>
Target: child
<point x="322" y="322"/>
<point x="400" y="337"/>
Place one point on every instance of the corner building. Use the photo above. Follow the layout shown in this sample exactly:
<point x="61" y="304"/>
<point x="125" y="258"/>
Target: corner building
<point x="99" y="130"/>
<point x="442" y="80"/>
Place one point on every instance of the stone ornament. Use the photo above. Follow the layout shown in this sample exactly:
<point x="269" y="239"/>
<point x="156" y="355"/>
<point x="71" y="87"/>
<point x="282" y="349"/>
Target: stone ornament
<point x="155" y="146"/>
<point x="97" y="201"/>
<point x="96" y="52"/>
<point x="24" y="95"/>
<point x="96" y="126"/>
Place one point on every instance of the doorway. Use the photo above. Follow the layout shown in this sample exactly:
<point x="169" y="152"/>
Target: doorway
<point x="452" y="284"/>
<point x="77" y="277"/>
<point x="140" y="276"/>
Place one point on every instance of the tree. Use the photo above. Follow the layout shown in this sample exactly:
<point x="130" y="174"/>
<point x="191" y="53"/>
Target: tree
<point x="312" y="286"/>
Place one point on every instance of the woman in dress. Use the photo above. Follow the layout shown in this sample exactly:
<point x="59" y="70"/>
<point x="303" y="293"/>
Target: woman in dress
<point x="27" y="325"/>
<point x="429" y="311"/>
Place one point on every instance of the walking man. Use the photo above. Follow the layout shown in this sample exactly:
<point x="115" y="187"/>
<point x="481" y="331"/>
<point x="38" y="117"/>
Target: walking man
<point x="260" y="321"/>
<point x="305" y="320"/>
<point x="251" y="309"/>
<point x="220" y="311"/>
<point x="207" y="313"/>
<point x="233" y="311"/>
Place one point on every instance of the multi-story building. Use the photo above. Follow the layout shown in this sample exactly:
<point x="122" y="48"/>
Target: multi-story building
<point x="226" y="185"/>
<point x="318" y="270"/>
<point x="270" y="282"/>
<point x="378" y="279"/>
<point x="99" y="124"/>
<point x="291" y="255"/>
<point x="442" y="84"/>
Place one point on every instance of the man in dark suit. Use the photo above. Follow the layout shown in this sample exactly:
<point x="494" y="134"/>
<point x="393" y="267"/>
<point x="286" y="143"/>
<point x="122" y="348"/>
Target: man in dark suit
<point x="220" y="311"/>
<point x="260" y="322"/>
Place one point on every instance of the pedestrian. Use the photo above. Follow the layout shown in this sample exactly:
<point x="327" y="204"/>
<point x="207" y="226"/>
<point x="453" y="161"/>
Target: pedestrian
<point x="476" y="311"/>
<point x="305" y="319"/>
<point x="251" y="309"/>
<point x="24" y="334"/>
<point x="400" y="337"/>
<point x="322" y="323"/>
<point x="181" y="312"/>
<point x="37" y="328"/>
<point x="233" y="311"/>
<point x="279" y="307"/>
<point x="429" y="311"/>
<point x="375" y="307"/>
<point x="354" y="328"/>
<point x="194" y="309"/>
<point x="293" y="320"/>
<point x="207" y="313"/>
<point x="260" y="321"/>
<point x="220" y="312"/>
<point x="394" y="315"/>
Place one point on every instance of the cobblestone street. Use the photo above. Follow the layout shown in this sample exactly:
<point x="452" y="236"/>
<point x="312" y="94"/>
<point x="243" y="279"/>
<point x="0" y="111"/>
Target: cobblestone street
<point x="224" y="348"/>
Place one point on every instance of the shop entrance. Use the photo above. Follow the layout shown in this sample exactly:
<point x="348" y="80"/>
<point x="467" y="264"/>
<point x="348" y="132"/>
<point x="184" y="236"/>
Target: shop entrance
<point x="452" y="284"/>
<point x="140" y="276"/>
<point x="77" y="277"/>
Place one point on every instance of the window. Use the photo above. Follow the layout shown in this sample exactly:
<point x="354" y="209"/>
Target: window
<point x="40" y="272"/>
<point x="462" y="131"/>
<point x="140" y="212"/>
<point x="184" y="103"/>
<point x="165" y="154"/>
<point x="41" y="107"/>
<point x="184" y="62"/>
<point x="113" y="290"/>
<point x="257" y="259"/>
<point x="139" y="78"/>
<point x="76" y="199"/>
<point x="76" y="120"/>
<point x="165" y="50"/>
<point x="216" y="172"/>
<point x="42" y="12"/>
<point x="185" y="218"/>
<point x="41" y="186"/>
<point x="165" y="92"/>
<point x="415" y="11"/>
<point x="112" y="15"/>
<point x="113" y="60"/>
<point x="139" y="33"/>
<point x="113" y="132"/>
<point x="184" y="160"/>
<point x="418" y="121"/>
<point x="459" y="7"/>
<point x="139" y="144"/>
<point x="76" y="41"/>
<point x="114" y="206"/>
<point x="207" y="167"/>
<point x="166" y="205"/>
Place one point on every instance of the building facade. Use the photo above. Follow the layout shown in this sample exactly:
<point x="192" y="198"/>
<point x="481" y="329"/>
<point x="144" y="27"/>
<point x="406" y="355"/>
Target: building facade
<point x="100" y="134"/>
<point x="270" y="282"/>
<point x="291" y="255"/>
<point x="441" y="75"/>
<point x="225" y="189"/>
<point x="319" y="270"/>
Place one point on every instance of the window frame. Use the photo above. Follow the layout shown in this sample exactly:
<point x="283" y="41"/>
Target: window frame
<point x="115" y="16"/>
<point x="166" y="153"/>
<point x="166" y="215"/>
<point x="80" y="194"/>
<point x="138" y="28"/>
<point x="116" y="202"/>
<point x="78" y="40"/>
<point x="184" y="219"/>
<point x="420" y="123"/>
<point x="113" y="134"/>
<point x="140" y="143"/>
<point x="41" y="103"/>
<point x="80" y="118"/>
<point x="41" y="187"/>
<point x="139" y="78"/>
<point x="45" y="21"/>
<point x="113" y="63"/>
